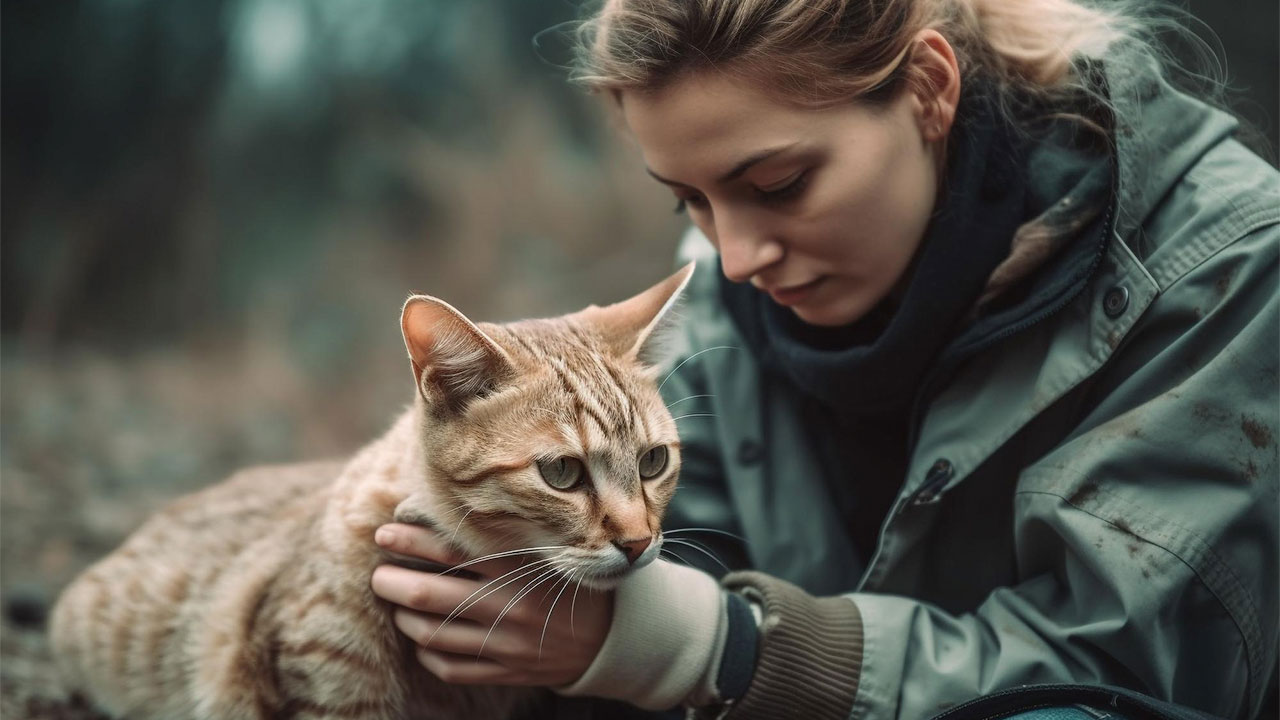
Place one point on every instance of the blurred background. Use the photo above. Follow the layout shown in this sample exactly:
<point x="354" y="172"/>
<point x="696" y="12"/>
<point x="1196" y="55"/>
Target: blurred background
<point x="213" y="209"/>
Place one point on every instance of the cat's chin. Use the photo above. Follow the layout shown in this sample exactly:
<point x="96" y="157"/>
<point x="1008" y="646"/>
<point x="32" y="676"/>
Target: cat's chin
<point x="611" y="580"/>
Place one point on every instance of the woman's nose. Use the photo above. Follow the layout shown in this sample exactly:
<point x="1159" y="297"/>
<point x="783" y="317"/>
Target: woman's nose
<point x="744" y="249"/>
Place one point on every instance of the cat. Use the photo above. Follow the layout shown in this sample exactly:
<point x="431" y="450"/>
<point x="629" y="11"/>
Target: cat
<point x="250" y="600"/>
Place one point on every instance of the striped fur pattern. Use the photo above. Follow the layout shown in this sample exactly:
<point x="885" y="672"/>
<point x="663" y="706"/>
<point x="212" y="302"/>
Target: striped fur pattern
<point x="250" y="599"/>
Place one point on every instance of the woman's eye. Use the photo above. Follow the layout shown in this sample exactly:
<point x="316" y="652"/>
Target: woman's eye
<point x="653" y="462"/>
<point x="786" y="191"/>
<point x="563" y="473"/>
<point x="684" y="203"/>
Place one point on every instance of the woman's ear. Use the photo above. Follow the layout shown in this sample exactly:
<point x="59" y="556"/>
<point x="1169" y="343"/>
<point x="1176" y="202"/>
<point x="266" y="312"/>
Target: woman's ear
<point x="937" y="84"/>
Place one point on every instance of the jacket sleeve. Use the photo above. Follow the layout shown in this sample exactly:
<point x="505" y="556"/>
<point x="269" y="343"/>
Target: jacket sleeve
<point x="1146" y="541"/>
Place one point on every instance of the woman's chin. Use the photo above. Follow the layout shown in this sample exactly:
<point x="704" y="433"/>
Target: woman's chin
<point x="828" y="315"/>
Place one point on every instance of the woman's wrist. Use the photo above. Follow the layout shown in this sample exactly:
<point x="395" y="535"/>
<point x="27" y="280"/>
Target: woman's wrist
<point x="817" y="641"/>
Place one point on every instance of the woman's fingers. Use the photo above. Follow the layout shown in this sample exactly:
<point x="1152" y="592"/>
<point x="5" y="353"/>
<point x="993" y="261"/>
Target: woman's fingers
<point x="417" y="542"/>
<point x="529" y="628"/>
<point x="468" y="670"/>
<point x="448" y="595"/>
<point x="458" y="636"/>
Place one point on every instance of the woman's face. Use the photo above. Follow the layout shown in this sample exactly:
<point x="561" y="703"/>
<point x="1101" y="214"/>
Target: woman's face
<point x="822" y="209"/>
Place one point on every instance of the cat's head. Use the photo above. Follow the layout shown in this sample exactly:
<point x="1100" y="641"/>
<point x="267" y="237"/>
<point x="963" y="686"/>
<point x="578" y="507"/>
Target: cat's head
<point x="547" y="434"/>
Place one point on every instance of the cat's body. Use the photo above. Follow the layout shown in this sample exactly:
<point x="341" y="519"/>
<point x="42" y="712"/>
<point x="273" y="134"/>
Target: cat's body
<point x="162" y="629"/>
<point x="251" y="599"/>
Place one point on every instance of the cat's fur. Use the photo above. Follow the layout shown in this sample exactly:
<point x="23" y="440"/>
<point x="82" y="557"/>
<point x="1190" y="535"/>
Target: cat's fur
<point x="251" y="599"/>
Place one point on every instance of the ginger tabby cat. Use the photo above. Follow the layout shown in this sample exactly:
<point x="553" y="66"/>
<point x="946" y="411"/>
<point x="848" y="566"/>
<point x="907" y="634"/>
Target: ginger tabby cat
<point x="251" y="599"/>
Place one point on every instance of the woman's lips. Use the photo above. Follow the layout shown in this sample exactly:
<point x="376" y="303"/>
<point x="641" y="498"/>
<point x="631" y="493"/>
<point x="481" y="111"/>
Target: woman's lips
<point x="795" y="294"/>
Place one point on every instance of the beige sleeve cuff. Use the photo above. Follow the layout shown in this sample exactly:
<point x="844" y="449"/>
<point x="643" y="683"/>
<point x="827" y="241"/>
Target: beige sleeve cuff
<point x="668" y="627"/>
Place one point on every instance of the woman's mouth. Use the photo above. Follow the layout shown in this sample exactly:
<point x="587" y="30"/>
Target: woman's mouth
<point x="794" y="294"/>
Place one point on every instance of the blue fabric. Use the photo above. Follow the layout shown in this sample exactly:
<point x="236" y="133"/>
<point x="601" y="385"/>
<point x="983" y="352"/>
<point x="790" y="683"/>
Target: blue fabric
<point x="738" y="664"/>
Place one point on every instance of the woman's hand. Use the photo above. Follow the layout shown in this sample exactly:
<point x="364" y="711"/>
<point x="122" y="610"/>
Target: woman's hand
<point x="520" y="623"/>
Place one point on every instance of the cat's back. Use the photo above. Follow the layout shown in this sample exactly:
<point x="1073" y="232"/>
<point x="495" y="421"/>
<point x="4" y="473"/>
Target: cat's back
<point x="127" y="629"/>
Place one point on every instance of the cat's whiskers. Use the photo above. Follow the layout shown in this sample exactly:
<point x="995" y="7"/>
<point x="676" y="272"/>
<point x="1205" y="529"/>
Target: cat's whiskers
<point x="703" y="529"/>
<point x="682" y="362"/>
<point x="547" y="574"/>
<point x="693" y="415"/>
<point x="568" y="578"/>
<point x="691" y="397"/>
<point x="505" y="553"/>
<point x="454" y="536"/>
<point x="700" y="548"/>
<point x="466" y="604"/>
<point x="573" y="605"/>
<point x="665" y="552"/>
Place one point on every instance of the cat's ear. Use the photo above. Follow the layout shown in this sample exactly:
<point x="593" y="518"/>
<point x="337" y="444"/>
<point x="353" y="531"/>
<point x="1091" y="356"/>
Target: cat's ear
<point x="637" y="328"/>
<point x="453" y="361"/>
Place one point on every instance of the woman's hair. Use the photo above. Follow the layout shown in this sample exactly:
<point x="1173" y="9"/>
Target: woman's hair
<point x="819" y="53"/>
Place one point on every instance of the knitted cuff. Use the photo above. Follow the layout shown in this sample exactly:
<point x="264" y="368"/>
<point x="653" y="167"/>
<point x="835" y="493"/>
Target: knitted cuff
<point x="668" y="623"/>
<point x="810" y="652"/>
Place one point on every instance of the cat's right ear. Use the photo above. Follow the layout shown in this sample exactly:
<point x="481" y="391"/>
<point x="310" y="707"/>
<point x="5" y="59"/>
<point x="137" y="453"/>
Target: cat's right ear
<point x="453" y="361"/>
<point x="638" y="328"/>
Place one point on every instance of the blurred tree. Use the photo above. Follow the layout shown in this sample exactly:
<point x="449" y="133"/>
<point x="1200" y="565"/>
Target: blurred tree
<point x="170" y="166"/>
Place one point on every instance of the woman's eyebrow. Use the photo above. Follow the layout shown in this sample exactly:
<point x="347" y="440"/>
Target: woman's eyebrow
<point x="737" y="170"/>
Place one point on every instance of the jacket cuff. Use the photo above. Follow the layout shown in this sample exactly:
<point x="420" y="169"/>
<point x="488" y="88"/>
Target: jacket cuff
<point x="668" y="623"/>
<point x="810" y="652"/>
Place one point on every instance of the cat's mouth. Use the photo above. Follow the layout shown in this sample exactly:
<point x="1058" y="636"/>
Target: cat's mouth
<point x="607" y="578"/>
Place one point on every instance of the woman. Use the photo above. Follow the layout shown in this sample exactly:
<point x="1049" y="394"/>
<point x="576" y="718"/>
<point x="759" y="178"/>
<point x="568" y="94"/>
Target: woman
<point x="1003" y="408"/>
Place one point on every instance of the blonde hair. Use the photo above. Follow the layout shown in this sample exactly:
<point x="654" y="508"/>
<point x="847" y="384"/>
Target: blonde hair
<point x="819" y="53"/>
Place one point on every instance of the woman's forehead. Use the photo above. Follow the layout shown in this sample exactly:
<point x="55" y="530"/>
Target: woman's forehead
<point x="708" y="122"/>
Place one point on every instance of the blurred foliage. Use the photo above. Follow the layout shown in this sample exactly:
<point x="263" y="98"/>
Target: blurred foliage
<point x="171" y="167"/>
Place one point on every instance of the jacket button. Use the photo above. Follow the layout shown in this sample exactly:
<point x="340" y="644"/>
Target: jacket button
<point x="937" y="478"/>
<point x="750" y="452"/>
<point x="1115" y="301"/>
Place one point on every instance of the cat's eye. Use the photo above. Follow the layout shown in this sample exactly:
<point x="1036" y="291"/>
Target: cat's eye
<point x="653" y="462"/>
<point x="563" y="473"/>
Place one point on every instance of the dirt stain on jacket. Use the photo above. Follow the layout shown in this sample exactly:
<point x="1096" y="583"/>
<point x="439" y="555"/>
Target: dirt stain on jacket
<point x="1208" y="413"/>
<point x="1258" y="433"/>
<point x="1084" y="494"/>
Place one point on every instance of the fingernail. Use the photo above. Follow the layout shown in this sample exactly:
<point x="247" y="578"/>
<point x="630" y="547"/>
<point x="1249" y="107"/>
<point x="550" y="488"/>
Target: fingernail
<point x="384" y="537"/>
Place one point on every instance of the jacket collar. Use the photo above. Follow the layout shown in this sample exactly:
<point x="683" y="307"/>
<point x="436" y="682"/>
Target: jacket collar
<point x="1159" y="133"/>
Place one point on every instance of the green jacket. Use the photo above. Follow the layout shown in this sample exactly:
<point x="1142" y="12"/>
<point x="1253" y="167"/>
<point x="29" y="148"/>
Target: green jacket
<point x="1093" y="499"/>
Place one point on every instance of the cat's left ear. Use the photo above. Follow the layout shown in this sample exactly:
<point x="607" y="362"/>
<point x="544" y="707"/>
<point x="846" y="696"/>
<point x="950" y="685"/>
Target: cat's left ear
<point x="637" y="328"/>
<point x="453" y="361"/>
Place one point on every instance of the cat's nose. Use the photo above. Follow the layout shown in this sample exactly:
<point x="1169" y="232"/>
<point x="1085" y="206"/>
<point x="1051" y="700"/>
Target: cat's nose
<point x="633" y="549"/>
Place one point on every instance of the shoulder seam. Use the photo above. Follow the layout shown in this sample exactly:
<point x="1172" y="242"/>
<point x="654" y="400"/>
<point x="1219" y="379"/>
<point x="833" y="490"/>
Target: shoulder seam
<point x="1245" y="218"/>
